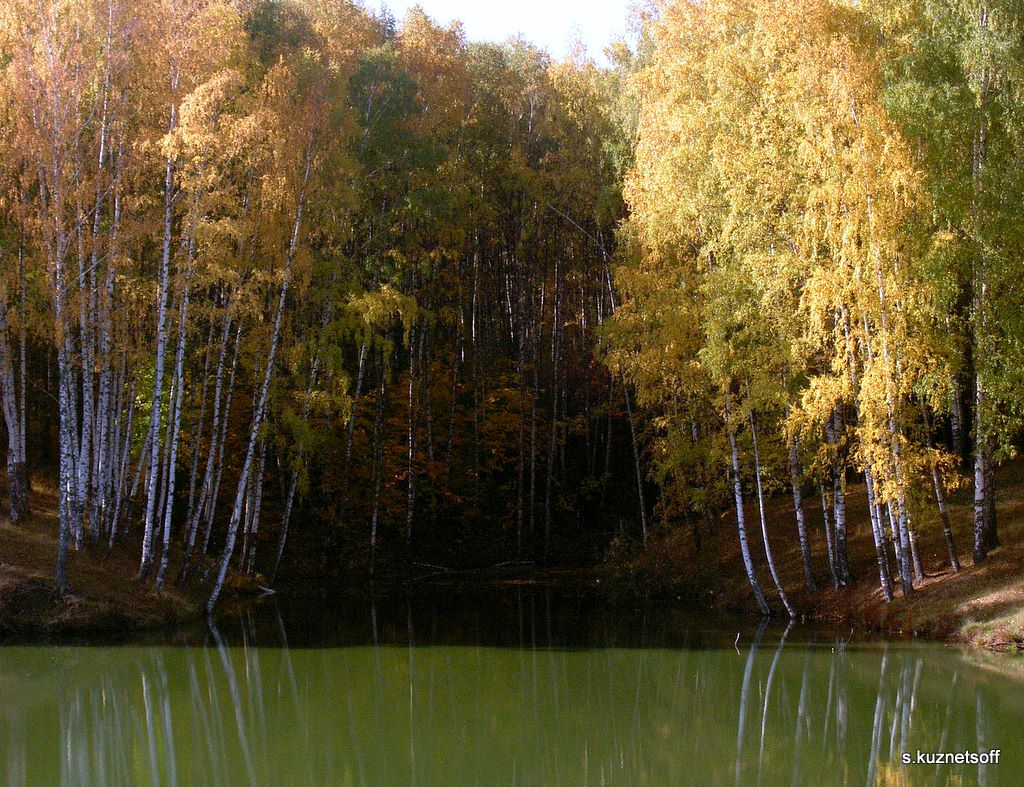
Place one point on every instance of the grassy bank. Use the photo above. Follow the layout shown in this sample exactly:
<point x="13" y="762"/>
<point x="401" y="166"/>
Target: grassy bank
<point x="104" y="594"/>
<point x="982" y="605"/>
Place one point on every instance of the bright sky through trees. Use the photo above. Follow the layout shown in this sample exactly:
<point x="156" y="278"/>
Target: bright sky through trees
<point x="551" y="25"/>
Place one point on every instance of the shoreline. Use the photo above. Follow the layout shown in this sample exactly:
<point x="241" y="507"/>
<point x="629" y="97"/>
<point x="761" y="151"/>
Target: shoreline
<point x="105" y="596"/>
<point x="80" y="617"/>
<point x="981" y="606"/>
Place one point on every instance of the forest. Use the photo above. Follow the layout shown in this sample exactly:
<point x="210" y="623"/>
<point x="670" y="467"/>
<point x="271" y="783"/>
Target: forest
<point x="290" y="285"/>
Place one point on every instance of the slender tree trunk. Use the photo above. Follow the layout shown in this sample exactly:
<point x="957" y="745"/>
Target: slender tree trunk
<point x="257" y="421"/>
<point x="206" y="486"/>
<point x="214" y="496"/>
<point x="798" y="509"/>
<point x="410" y="510"/>
<point x="981" y="476"/>
<point x="894" y="431"/>
<point x="378" y="468"/>
<point x="521" y="443"/>
<point x="456" y="364"/>
<point x="636" y="463"/>
<point x="877" y="527"/>
<point x="956" y="422"/>
<point x="737" y="488"/>
<point x="115" y="520"/>
<point x="282" y="536"/>
<point x="915" y="555"/>
<point x="764" y="523"/>
<point x="84" y="447"/>
<point x="980" y="285"/>
<point x="894" y="529"/>
<point x="67" y="433"/>
<point x="17" y="475"/>
<point x="629" y="415"/>
<point x="294" y="481"/>
<point x="833" y="434"/>
<point x="179" y="389"/>
<point x="606" y="476"/>
<point x="877" y="534"/>
<point x="21" y="465"/>
<point x="556" y="337"/>
<point x="826" y="521"/>
<point x="149" y="523"/>
<point x="249" y="557"/>
<point x="947" y="531"/>
<point x="344" y="496"/>
<point x="534" y="409"/>
<point x="196" y="429"/>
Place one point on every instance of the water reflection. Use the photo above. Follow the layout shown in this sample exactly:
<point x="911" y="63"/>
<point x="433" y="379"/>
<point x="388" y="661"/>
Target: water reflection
<point x="242" y="706"/>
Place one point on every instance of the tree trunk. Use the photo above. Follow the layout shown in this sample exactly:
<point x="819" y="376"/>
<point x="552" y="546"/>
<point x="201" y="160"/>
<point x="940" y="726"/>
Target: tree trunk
<point x="798" y="509"/>
<point x="294" y="482"/>
<point x="826" y="521"/>
<point x="21" y="465"/>
<point x="940" y="497"/>
<point x="410" y="509"/>
<point x="179" y="388"/>
<point x="378" y="468"/>
<point x="216" y="430"/>
<point x="764" y="523"/>
<point x="915" y="555"/>
<point x="981" y="476"/>
<point x="264" y="392"/>
<point x="629" y="415"/>
<point x="877" y="534"/>
<point x="214" y="496"/>
<point x="891" y="371"/>
<point x="17" y="474"/>
<point x="842" y="561"/>
<point x="256" y="497"/>
<point x="122" y="472"/>
<point x="556" y="354"/>
<point x="636" y="464"/>
<point x="947" y="531"/>
<point x="737" y="489"/>
<point x="197" y="427"/>
<point x="149" y="523"/>
<point x="980" y="284"/>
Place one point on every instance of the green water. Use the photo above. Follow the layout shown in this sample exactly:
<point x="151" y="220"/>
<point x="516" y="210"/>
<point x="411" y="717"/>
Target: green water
<point x="504" y="689"/>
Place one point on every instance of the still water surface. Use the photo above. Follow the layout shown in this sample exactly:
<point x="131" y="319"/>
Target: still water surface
<point x="511" y="687"/>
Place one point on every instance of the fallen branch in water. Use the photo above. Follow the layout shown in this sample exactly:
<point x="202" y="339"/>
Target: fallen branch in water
<point x="1008" y="645"/>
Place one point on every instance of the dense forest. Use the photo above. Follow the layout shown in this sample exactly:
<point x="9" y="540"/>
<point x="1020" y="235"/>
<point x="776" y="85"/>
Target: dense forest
<point x="290" y="284"/>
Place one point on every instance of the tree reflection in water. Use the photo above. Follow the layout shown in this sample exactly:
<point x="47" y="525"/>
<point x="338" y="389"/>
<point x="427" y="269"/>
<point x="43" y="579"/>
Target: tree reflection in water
<point x="240" y="705"/>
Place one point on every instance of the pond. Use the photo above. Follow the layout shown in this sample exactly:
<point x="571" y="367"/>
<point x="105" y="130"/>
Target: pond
<point x="520" y="686"/>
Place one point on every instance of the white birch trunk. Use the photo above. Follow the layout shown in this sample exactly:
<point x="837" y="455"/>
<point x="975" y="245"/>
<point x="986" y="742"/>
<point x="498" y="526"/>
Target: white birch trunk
<point x="17" y="477"/>
<point x="179" y="389"/>
<point x="877" y="534"/>
<point x="741" y="526"/>
<point x="257" y="421"/>
<point x="764" y="524"/>
<point x="206" y="487"/>
<point x="798" y="510"/>
<point x="149" y="522"/>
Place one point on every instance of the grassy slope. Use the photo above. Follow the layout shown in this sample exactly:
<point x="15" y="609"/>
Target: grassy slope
<point x="982" y="605"/>
<point x="104" y="594"/>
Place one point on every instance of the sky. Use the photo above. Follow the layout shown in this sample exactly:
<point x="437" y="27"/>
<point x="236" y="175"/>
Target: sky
<point x="551" y="24"/>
